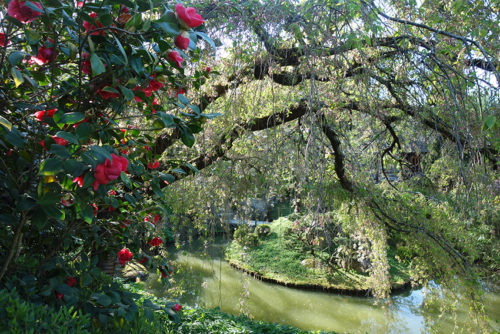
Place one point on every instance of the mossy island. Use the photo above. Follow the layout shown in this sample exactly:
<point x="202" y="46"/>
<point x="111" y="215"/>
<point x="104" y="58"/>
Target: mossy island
<point x="286" y="252"/>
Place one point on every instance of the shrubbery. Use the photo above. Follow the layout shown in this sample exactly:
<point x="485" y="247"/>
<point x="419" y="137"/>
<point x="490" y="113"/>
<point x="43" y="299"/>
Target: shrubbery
<point x="20" y="316"/>
<point x="86" y="88"/>
<point x="245" y="237"/>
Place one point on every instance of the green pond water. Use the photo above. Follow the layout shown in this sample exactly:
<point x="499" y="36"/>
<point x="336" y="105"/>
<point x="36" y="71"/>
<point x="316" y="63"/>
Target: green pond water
<point x="210" y="282"/>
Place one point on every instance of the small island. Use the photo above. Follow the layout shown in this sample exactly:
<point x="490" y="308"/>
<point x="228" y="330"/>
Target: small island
<point x="281" y="252"/>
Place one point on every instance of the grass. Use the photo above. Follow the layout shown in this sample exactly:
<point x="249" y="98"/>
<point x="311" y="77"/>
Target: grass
<point x="279" y="259"/>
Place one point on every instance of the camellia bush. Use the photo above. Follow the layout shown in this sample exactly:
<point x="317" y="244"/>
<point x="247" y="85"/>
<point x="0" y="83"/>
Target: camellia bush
<point x="86" y="88"/>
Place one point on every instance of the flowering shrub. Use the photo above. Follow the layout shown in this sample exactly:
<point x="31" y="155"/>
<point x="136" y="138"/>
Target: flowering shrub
<point x="79" y="84"/>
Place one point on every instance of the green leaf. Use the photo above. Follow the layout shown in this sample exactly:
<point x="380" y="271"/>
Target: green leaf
<point x="83" y="131"/>
<point x="130" y="199"/>
<point x="155" y="186"/>
<point x="72" y="117"/>
<point x="50" y="166"/>
<point x="60" y="151"/>
<point x="124" y="177"/>
<point x="190" y="166"/>
<point x="490" y="121"/>
<point x="16" y="57"/>
<point x="74" y="168"/>
<point x="68" y="20"/>
<point x="97" y="64"/>
<point x="136" y="63"/>
<point x="184" y="100"/>
<point x="168" y="28"/>
<point x="26" y="203"/>
<point x="195" y="108"/>
<point x="207" y="39"/>
<point x="106" y="19"/>
<point x="178" y="170"/>
<point x="54" y="212"/>
<point x="5" y="123"/>
<point x="32" y="6"/>
<point x="101" y="299"/>
<point x="87" y="213"/>
<point x="167" y="177"/>
<point x="167" y="119"/>
<point x="187" y="137"/>
<point x="32" y="36"/>
<point x="122" y="50"/>
<point x="14" y="137"/>
<point x="18" y="77"/>
<point x="100" y="153"/>
<point x="32" y="82"/>
<point x="209" y="116"/>
<point x="128" y="93"/>
<point x="67" y="136"/>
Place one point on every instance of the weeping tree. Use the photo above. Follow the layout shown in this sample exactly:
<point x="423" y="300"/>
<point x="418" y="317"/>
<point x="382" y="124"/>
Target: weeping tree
<point x="317" y="96"/>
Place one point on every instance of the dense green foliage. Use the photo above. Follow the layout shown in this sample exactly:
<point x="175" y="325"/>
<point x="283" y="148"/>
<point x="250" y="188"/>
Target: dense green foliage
<point x="20" y="316"/>
<point x="284" y="257"/>
<point x="385" y="115"/>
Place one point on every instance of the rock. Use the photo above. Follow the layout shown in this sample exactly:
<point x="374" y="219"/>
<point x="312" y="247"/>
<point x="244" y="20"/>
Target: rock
<point x="134" y="271"/>
<point x="308" y="263"/>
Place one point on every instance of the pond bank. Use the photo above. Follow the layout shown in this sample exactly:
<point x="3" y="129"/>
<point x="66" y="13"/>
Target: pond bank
<point x="280" y="258"/>
<point x="316" y="287"/>
<point x="210" y="282"/>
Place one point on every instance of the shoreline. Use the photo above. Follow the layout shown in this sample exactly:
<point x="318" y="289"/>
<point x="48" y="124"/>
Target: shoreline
<point x="315" y="287"/>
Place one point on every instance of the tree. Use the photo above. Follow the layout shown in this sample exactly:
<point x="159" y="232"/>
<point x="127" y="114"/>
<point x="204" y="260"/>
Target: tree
<point x="85" y="86"/>
<point x="333" y="72"/>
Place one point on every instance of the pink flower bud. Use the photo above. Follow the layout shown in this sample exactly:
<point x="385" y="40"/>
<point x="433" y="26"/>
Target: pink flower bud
<point x="182" y="40"/>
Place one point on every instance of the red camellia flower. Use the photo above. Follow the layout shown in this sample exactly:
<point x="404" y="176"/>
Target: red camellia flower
<point x="67" y="202"/>
<point x="109" y="170"/>
<point x="188" y="16"/>
<point x="78" y="123"/>
<point x="78" y="180"/>
<point x="86" y="67"/>
<point x="60" y="141"/>
<point x="124" y="256"/>
<point x="176" y="92"/>
<point x="207" y="69"/>
<point x="156" y="218"/>
<point x="105" y="94"/>
<point x="182" y="40"/>
<point x="125" y="223"/>
<point x="175" y="57"/>
<point x="59" y="295"/>
<point x="45" y="55"/>
<point x="153" y="86"/>
<point x="44" y="113"/>
<point x="2" y="39"/>
<point x="89" y="26"/>
<point x="143" y="260"/>
<point x="71" y="281"/>
<point x="19" y="10"/>
<point x="177" y="307"/>
<point x="95" y="209"/>
<point x="155" y="242"/>
<point x="154" y="165"/>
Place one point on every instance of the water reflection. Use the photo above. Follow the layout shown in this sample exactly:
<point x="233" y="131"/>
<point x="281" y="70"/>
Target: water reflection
<point x="213" y="283"/>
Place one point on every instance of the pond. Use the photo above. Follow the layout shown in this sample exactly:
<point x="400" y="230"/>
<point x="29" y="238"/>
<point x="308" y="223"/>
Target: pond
<point x="209" y="281"/>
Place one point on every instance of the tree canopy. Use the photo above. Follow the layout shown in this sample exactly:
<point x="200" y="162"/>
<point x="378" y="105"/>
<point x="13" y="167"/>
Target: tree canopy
<point x="376" y="118"/>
